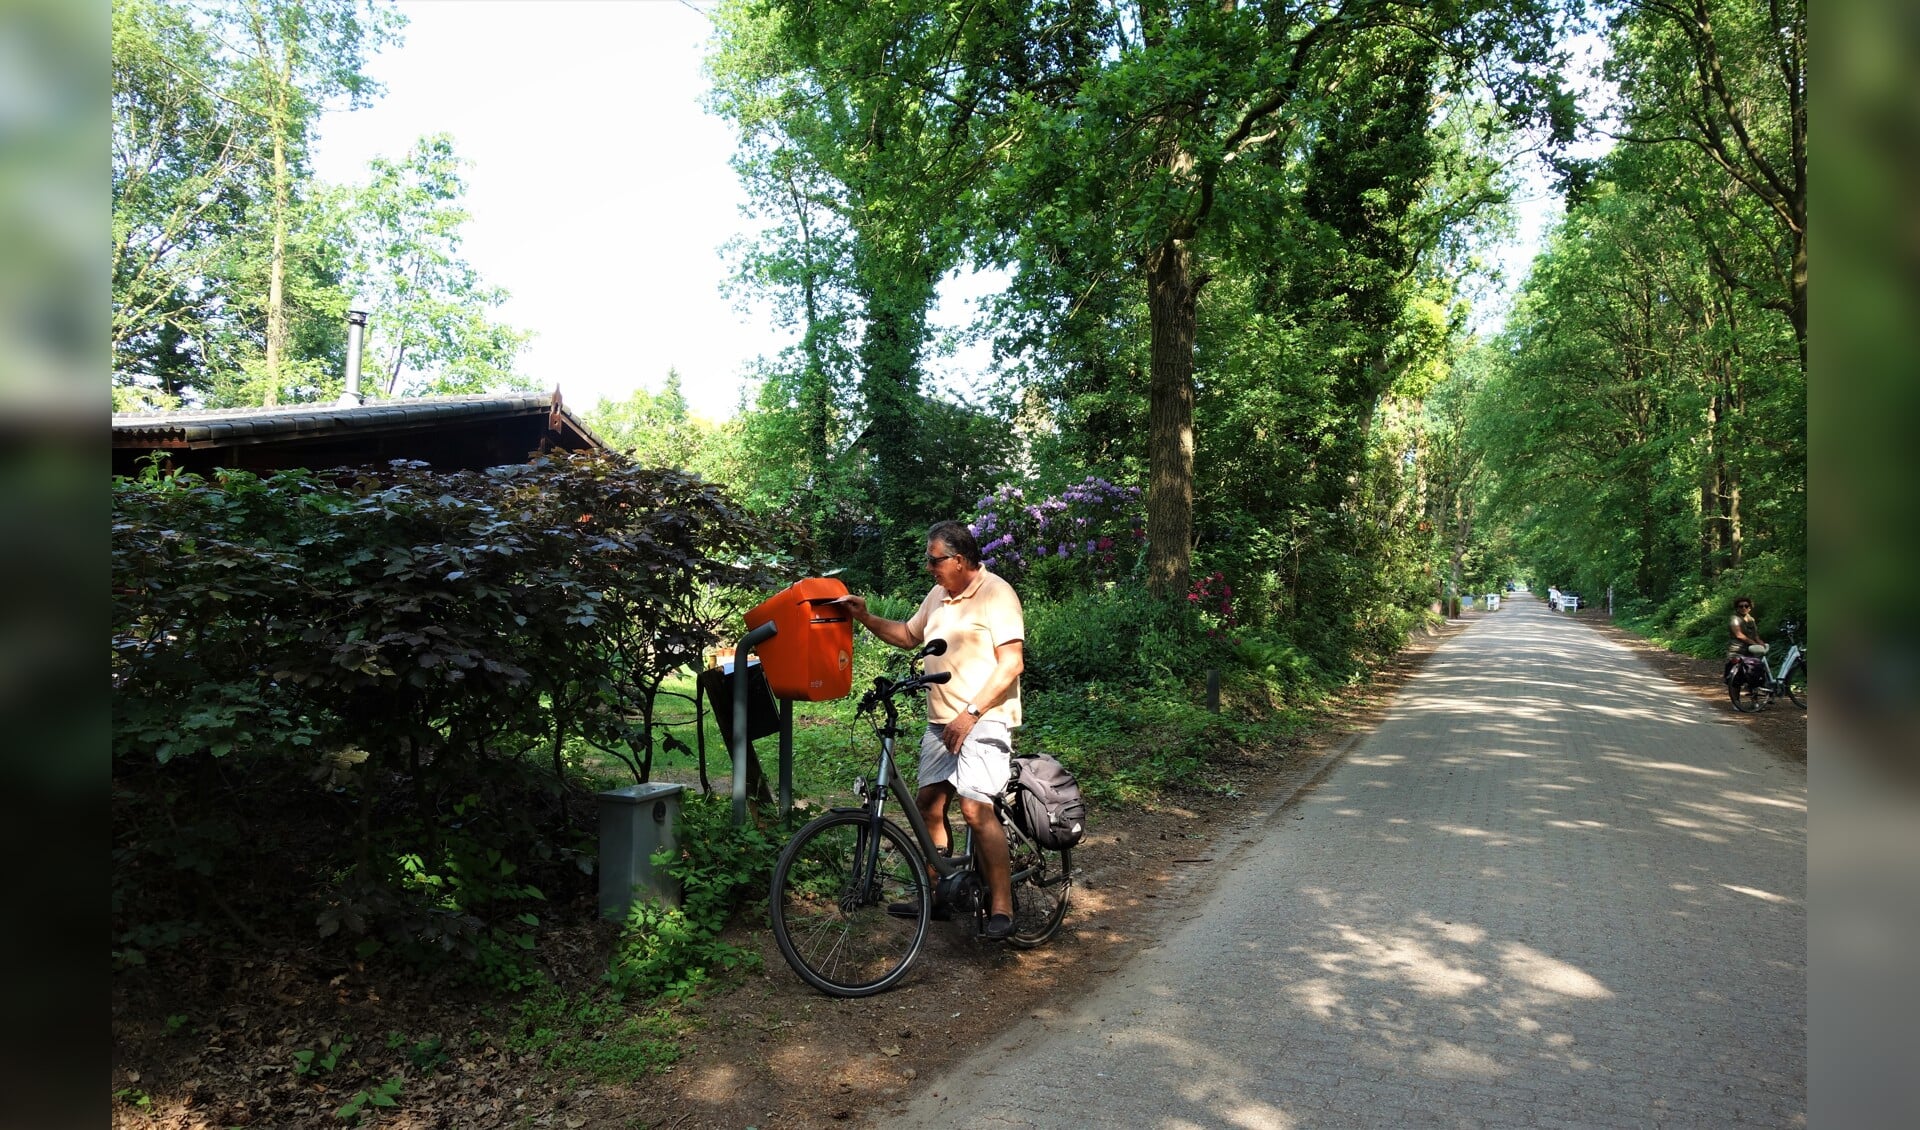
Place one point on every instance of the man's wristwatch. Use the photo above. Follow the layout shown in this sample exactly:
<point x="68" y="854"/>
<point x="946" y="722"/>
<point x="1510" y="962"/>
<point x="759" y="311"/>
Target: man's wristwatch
<point x="971" y="709"/>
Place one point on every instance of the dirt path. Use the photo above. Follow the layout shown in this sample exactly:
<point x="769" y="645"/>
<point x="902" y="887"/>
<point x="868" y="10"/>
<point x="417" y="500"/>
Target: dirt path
<point x="774" y="1053"/>
<point x="768" y="1052"/>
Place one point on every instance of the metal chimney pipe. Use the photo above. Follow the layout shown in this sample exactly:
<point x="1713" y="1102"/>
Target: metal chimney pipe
<point x="356" y="341"/>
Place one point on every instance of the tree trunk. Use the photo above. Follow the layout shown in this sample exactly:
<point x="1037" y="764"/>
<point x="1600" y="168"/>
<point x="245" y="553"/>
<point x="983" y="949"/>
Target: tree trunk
<point x="1713" y="481"/>
<point x="1173" y="301"/>
<point x="1462" y="534"/>
<point x="816" y="393"/>
<point x="896" y="311"/>
<point x="279" y="74"/>
<point x="1649" y="543"/>
<point x="277" y="268"/>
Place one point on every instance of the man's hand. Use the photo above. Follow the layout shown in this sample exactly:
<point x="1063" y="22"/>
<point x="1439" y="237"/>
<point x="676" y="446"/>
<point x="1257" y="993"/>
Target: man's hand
<point x="955" y="735"/>
<point x="894" y="632"/>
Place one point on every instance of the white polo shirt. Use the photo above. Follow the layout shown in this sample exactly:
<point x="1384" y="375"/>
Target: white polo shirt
<point x="984" y="616"/>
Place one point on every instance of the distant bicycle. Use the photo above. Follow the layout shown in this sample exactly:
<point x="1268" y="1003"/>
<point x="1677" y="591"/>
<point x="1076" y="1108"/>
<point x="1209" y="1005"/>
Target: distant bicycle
<point x="852" y="895"/>
<point x="1757" y="684"/>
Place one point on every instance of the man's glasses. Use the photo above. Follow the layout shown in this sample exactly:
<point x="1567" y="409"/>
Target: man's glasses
<point x="932" y="560"/>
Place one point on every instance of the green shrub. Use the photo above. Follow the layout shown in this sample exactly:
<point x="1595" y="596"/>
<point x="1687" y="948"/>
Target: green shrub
<point x="1694" y="620"/>
<point x="1114" y="635"/>
<point x="1270" y="657"/>
<point x="402" y="658"/>
<point x="673" y="951"/>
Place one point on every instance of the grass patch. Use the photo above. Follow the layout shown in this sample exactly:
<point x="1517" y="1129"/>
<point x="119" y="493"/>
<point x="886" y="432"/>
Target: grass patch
<point x="599" y="1034"/>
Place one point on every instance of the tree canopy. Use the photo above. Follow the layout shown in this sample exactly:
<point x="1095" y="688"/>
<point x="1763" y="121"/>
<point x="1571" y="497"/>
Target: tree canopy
<point x="233" y="266"/>
<point x="1242" y="247"/>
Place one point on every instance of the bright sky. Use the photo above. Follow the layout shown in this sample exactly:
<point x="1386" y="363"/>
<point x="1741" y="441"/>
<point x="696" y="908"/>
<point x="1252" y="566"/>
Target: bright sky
<point x="599" y="188"/>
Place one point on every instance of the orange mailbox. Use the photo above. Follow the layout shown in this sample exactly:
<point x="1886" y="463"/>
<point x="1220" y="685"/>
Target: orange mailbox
<point x="810" y="658"/>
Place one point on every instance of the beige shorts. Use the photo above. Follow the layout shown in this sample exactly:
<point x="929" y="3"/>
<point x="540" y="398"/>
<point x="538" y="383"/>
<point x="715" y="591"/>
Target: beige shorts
<point x="984" y="764"/>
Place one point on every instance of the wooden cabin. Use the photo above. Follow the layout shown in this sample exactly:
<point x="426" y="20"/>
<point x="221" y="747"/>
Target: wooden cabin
<point x="447" y="432"/>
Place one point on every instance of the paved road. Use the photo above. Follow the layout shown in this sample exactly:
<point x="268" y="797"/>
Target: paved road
<point x="1550" y="890"/>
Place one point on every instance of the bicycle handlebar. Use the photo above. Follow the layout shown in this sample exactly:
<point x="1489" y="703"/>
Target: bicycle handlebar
<point x="884" y="690"/>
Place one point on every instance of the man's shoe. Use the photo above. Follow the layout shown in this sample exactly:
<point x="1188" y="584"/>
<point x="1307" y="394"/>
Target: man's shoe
<point x="912" y="910"/>
<point x="999" y="928"/>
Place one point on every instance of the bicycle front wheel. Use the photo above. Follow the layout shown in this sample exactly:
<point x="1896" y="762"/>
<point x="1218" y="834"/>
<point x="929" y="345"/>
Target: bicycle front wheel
<point x="1042" y="885"/>
<point x="829" y="904"/>
<point x="1795" y="684"/>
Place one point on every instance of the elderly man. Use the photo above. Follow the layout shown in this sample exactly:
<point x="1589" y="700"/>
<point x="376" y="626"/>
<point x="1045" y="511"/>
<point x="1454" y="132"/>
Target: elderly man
<point x="968" y="747"/>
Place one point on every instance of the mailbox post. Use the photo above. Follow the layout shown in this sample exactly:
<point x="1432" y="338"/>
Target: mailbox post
<point x="741" y="689"/>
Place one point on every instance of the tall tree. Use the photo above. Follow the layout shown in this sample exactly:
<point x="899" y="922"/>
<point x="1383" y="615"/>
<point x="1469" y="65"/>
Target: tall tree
<point x="1631" y="375"/>
<point x="296" y="58"/>
<point x="431" y="329"/>
<point x="653" y="429"/>
<point x="863" y="126"/>
<point x="1184" y="133"/>
<point x="1725" y="81"/>
<point x="182" y="159"/>
<point x="1675" y="465"/>
<point x="227" y="265"/>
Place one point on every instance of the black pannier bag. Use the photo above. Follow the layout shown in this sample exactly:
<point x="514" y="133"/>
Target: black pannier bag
<point x="1046" y="802"/>
<point x="1745" y="671"/>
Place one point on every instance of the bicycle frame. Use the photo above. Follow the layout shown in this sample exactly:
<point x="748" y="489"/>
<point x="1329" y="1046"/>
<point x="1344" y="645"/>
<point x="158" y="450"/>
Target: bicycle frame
<point x="1777" y="678"/>
<point x="850" y="870"/>
<point x="874" y="801"/>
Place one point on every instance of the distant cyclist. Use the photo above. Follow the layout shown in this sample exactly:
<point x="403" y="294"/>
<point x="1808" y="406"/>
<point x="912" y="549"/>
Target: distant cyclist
<point x="1743" y="633"/>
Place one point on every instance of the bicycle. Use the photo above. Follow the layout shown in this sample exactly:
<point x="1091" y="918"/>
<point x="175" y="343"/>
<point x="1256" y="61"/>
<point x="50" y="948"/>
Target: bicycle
<point x="1790" y="678"/>
<point x="837" y="878"/>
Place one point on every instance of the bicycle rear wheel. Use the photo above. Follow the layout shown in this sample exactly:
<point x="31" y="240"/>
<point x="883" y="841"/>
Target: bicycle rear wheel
<point x="829" y="906"/>
<point x="1795" y="684"/>
<point x="1042" y="886"/>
